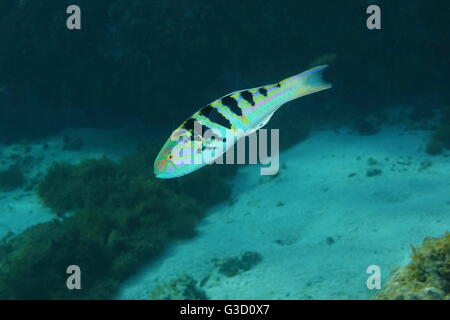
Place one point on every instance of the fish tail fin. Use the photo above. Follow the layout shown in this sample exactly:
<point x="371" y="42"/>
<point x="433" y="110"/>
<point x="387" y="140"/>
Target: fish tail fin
<point x="308" y="82"/>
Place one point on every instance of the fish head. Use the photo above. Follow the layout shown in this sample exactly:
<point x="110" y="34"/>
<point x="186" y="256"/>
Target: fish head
<point x="179" y="156"/>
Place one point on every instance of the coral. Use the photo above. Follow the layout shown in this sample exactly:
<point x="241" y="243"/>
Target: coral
<point x="440" y="139"/>
<point x="121" y="217"/>
<point x="427" y="276"/>
<point x="183" y="287"/>
<point x="11" y="179"/>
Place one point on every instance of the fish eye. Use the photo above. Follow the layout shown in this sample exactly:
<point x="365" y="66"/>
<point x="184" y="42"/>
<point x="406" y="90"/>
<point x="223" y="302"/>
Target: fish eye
<point x="170" y="156"/>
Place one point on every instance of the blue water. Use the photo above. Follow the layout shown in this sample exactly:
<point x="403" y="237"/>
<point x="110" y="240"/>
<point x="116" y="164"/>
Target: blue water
<point x="363" y="169"/>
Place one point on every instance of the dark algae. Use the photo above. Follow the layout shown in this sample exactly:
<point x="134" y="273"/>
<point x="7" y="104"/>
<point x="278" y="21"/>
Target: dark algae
<point x="113" y="218"/>
<point x="426" y="277"/>
<point x="11" y="179"/>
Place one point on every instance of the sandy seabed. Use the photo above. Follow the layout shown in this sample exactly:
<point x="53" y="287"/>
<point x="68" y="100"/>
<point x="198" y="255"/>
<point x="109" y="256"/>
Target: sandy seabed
<point x="341" y="203"/>
<point x="318" y="224"/>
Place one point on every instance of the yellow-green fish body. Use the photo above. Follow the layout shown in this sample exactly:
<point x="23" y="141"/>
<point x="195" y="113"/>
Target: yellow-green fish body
<point x="206" y="134"/>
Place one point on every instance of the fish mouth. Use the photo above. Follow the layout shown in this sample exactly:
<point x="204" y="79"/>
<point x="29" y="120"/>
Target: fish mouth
<point x="161" y="175"/>
<point x="160" y="167"/>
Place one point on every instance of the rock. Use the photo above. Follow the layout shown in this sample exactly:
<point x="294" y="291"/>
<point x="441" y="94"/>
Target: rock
<point x="373" y="172"/>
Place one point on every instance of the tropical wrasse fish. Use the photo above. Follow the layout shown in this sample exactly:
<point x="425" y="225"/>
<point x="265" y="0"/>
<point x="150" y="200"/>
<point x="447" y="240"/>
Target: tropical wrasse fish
<point x="205" y="136"/>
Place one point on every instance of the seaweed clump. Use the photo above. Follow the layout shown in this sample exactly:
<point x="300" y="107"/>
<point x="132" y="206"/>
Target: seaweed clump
<point x="11" y="179"/>
<point x="33" y="264"/>
<point x="426" y="277"/>
<point x="86" y="185"/>
<point x="440" y="139"/>
<point x="119" y="218"/>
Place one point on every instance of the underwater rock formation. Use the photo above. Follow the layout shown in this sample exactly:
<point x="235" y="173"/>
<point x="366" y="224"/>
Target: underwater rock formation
<point x="427" y="276"/>
<point x="113" y="217"/>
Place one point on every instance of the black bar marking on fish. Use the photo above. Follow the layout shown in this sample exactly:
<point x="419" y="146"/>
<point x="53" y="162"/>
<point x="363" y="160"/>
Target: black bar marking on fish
<point x="263" y="91"/>
<point x="247" y="95"/>
<point x="278" y="85"/>
<point x="206" y="111"/>
<point x="215" y="116"/>
<point x="206" y="128"/>
<point x="232" y="104"/>
<point x="190" y="125"/>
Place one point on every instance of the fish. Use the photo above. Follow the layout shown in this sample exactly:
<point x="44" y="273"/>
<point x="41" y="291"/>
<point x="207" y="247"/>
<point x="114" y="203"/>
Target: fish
<point x="212" y="130"/>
